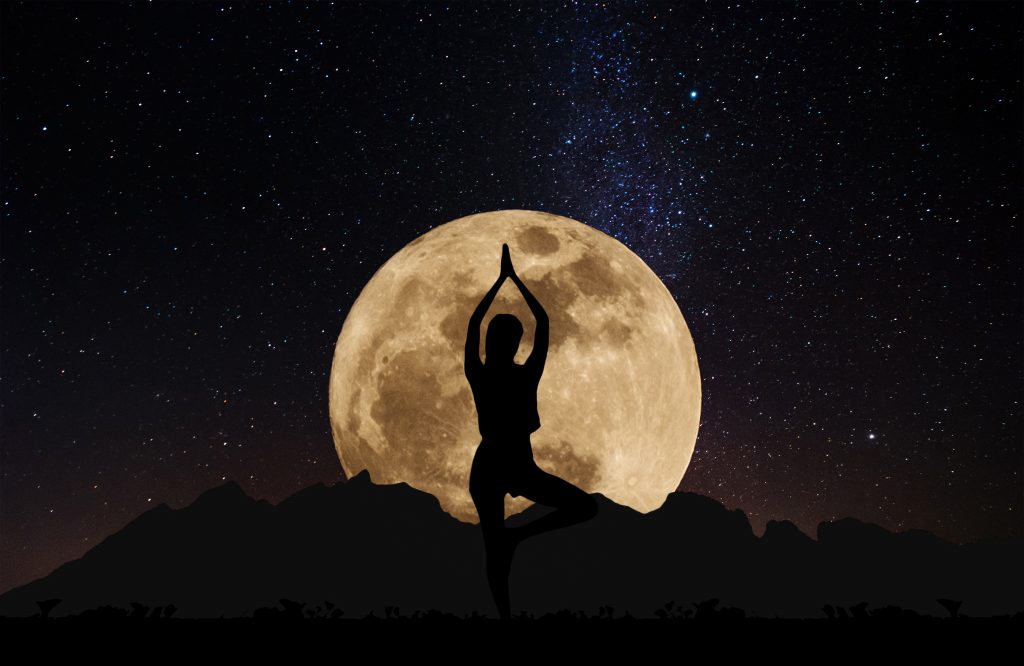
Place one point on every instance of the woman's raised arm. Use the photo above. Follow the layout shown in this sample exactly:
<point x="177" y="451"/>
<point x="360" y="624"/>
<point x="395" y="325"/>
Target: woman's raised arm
<point x="540" y="335"/>
<point x="472" y="355"/>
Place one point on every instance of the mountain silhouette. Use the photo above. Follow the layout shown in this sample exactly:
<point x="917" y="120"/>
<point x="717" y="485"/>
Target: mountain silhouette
<point x="365" y="547"/>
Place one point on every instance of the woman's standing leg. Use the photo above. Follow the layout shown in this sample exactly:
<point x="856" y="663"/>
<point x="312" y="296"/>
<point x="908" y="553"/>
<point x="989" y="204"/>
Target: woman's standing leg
<point x="490" y="506"/>
<point x="489" y="498"/>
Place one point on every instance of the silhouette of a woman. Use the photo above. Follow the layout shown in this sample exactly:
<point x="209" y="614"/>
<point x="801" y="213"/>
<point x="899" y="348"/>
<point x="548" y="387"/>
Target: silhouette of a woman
<point x="506" y="404"/>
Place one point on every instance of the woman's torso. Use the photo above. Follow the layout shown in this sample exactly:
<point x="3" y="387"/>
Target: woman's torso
<point x="506" y="402"/>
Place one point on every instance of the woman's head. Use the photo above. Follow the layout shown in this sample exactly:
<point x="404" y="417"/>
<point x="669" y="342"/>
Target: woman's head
<point x="503" y="336"/>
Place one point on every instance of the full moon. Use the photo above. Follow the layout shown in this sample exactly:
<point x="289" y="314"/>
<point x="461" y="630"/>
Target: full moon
<point x="619" y="400"/>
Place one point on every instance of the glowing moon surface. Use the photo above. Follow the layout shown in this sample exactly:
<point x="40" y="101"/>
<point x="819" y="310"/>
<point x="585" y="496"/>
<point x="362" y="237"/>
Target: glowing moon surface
<point x="619" y="400"/>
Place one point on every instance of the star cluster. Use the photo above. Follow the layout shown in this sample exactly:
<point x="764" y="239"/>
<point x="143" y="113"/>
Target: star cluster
<point x="194" y="194"/>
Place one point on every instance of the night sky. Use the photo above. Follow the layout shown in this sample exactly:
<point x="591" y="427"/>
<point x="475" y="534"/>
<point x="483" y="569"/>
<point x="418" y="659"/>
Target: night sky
<point x="194" y="195"/>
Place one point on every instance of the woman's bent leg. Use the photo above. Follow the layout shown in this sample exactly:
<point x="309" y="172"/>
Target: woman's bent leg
<point x="572" y="505"/>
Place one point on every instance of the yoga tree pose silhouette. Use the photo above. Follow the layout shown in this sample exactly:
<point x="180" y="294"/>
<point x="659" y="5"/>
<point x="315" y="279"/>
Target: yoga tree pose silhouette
<point x="506" y="403"/>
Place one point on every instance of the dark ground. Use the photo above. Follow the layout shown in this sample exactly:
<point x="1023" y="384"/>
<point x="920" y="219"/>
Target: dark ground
<point x="817" y="640"/>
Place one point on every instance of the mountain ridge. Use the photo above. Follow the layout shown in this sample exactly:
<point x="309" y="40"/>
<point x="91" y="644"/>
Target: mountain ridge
<point x="365" y="546"/>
